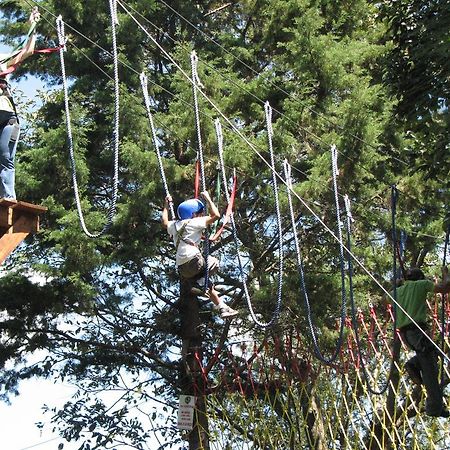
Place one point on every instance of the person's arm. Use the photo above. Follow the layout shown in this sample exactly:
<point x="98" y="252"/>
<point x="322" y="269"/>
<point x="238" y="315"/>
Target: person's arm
<point x="214" y="213"/>
<point x="443" y="287"/>
<point x="30" y="44"/>
<point x="165" y="211"/>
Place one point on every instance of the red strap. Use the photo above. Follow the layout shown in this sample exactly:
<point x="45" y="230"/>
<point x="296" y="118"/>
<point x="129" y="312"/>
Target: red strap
<point x="228" y="212"/>
<point x="9" y="70"/>
<point x="13" y="67"/>
<point x="197" y="179"/>
<point x="49" y="50"/>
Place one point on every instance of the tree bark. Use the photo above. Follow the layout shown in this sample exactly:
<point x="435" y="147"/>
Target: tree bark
<point x="192" y="381"/>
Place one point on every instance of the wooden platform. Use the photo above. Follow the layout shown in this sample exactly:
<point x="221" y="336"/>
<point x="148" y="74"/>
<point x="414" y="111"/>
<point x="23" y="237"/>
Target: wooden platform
<point x="17" y="220"/>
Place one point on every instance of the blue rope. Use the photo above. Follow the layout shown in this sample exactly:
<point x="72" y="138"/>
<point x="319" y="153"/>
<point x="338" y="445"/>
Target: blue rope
<point x="394" y="198"/>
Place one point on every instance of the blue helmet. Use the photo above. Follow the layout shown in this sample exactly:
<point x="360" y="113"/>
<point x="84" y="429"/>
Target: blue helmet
<point x="189" y="207"/>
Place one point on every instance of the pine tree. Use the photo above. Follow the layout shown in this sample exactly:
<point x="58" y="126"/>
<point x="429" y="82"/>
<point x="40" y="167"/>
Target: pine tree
<point x="111" y="314"/>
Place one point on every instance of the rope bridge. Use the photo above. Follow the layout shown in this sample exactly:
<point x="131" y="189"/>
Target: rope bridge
<point x="275" y="395"/>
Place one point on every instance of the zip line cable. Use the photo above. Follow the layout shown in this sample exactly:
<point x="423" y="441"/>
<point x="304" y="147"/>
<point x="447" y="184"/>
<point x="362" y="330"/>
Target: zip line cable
<point x="112" y="208"/>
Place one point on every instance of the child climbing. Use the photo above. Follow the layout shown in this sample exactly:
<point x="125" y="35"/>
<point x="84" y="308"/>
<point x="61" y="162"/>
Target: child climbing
<point x="186" y="234"/>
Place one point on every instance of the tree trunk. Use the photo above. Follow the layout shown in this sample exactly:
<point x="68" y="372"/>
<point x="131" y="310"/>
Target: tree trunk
<point x="192" y="381"/>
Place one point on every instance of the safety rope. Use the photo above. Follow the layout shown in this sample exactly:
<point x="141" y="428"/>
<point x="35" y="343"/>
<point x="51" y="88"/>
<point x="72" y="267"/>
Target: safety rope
<point x="112" y="208"/>
<point x="317" y="351"/>
<point x="229" y="198"/>
<point x="196" y="84"/>
<point x="384" y="387"/>
<point x="277" y="308"/>
<point x="155" y="140"/>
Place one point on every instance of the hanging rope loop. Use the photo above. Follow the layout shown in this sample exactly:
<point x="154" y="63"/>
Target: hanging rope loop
<point x="317" y="351"/>
<point x="112" y="208"/>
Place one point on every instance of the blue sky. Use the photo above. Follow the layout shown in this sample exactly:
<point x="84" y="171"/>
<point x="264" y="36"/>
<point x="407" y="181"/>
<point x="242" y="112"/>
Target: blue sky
<point x="18" y="420"/>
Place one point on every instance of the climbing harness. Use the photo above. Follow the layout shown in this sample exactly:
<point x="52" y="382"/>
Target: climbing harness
<point x="115" y="139"/>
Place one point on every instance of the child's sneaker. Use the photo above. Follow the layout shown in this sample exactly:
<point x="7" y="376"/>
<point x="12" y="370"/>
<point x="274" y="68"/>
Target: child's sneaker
<point x="226" y="312"/>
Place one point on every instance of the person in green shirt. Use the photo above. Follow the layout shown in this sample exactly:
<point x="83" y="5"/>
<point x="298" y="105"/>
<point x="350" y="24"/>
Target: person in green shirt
<point x="422" y="367"/>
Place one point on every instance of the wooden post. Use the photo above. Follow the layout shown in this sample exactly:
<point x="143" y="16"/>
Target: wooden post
<point x="17" y="220"/>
